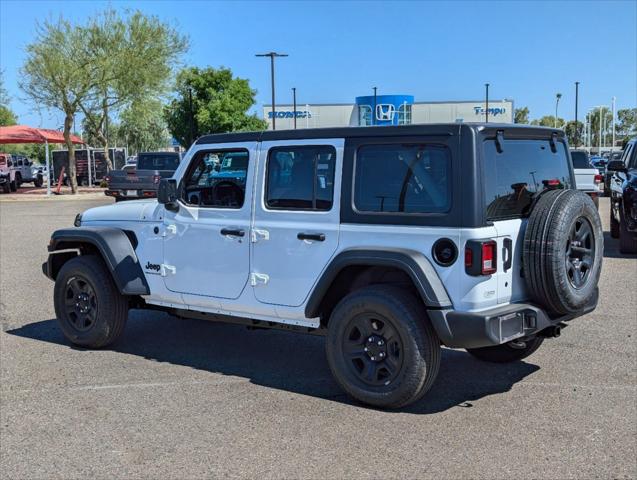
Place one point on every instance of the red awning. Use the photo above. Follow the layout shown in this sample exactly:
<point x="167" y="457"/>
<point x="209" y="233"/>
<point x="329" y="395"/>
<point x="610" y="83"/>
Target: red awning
<point x="24" y="134"/>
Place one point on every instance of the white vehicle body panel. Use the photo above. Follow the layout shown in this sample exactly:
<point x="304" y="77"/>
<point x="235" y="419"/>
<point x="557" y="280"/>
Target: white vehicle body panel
<point x="585" y="179"/>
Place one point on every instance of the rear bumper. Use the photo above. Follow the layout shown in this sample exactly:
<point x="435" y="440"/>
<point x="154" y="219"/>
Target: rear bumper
<point x="496" y="326"/>
<point x="139" y="193"/>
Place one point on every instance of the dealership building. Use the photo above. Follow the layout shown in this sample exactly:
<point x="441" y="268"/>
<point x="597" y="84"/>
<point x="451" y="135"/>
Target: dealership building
<point x="387" y="110"/>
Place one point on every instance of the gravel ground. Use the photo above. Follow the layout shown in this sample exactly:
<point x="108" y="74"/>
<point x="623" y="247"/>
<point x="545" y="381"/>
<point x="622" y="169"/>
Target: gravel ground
<point x="189" y="399"/>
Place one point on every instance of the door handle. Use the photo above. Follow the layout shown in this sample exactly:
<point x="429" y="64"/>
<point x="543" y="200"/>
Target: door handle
<point x="319" y="237"/>
<point x="507" y="253"/>
<point x="233" y="232"/>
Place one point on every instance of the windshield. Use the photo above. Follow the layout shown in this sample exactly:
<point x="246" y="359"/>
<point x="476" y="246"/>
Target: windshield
<point x="580" y="160"/>
<point x="149" y="161"/>
<point x="523" y="169"/>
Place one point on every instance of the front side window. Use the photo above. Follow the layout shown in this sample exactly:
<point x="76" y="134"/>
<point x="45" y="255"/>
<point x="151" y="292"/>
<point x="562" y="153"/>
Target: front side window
<point x="300" y="178"/>
<point x="402" y="179"/>
<point x="217" y="179"/>
<point x="519" y="171"/>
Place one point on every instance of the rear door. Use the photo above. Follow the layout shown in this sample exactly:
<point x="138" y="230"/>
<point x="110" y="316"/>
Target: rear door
<point x="296" y="221"/>
<point x="513" y="177"/>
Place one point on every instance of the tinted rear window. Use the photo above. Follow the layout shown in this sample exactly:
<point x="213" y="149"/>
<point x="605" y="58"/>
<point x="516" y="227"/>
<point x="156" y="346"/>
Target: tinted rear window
<point x="580" y="160"/>
<point x="157" y="162"/>
<point x="524" y="168"/>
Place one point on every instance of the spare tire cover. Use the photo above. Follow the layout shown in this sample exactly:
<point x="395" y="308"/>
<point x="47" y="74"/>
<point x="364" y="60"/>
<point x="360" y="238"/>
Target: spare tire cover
<point x="563" y="251"/>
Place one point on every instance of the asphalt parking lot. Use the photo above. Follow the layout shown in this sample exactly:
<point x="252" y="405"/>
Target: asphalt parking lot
<point x="189" y="399"/>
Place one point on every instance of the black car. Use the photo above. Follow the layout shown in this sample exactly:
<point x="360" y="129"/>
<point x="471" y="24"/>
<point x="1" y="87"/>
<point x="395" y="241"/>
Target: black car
<point x="607" y="173"/>
<point x="623" y="202"/>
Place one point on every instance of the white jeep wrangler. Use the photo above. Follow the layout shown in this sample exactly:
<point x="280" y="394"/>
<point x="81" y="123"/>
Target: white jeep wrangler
<point x="391" y="241"/>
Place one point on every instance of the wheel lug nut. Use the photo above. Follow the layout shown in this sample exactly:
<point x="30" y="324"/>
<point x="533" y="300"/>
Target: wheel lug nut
<point x="371" y="339"/>
<point x="373" y="358"/>
<point x="380" y="342"/>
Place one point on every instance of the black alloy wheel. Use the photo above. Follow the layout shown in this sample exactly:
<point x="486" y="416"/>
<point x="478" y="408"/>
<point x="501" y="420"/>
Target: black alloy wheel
<point x="580" y="253"/>
<point x="372" y="349"/>
<point x="81" y="303"/>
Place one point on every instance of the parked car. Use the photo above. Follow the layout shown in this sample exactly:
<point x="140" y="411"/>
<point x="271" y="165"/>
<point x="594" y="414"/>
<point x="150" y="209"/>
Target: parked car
<point x="623" y="201"/>
<point x="607" y="173"/>
<point x="587" y="177"/>
<point x="24" y="172"/>
<point x="143" y="180"/>
<point x="7" y="173"/>
<point x="390" y="241"/>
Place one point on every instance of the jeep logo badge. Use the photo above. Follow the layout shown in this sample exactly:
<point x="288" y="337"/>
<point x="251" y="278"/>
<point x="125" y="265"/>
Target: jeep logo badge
<point x="152" y="266"/>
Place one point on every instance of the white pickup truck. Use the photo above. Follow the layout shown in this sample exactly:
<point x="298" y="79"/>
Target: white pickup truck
<point x="587" y="177"/>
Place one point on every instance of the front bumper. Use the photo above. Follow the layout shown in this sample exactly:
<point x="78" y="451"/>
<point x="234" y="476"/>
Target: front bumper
<point x="496" y="326"/>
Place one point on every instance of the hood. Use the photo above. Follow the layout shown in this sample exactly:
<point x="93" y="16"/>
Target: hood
<point x="129" y="211"/>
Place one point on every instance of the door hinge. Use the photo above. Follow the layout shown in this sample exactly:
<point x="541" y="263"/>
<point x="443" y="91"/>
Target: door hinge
<point x="258" y="234"/>
<point x="172" y="229"/>
<point x="166" y="269"/>
<point x="258" y="279"/>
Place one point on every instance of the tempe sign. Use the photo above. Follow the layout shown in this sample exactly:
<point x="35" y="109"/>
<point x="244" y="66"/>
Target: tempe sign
<point x="291" y="114"/>
<point x="495" y="111"/>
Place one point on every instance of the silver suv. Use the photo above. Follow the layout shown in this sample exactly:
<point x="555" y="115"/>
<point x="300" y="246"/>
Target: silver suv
<point x="390" y="241"/>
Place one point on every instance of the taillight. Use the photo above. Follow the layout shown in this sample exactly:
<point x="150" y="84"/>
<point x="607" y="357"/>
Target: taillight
<point x="480" y="257"/>
<point x="488" y="263"/>
<point x="156" y="178"/>
<point x="599" y="178"/>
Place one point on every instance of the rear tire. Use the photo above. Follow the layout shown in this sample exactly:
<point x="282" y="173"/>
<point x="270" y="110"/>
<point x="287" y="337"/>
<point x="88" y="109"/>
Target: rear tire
<point x="507" y="352"/>
<point x="6" y="188"/>
<point x="381" y="348"/>
<point x="563" y="248"/>
<point x="38" y="182"/>
<point x="13" y="186"/>
<point x="627" y="240"/>
<point x="89" y="308"/>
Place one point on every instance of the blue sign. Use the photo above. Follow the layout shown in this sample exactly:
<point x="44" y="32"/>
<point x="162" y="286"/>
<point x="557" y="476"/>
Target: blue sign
<point x="495" y="111"/>
<point x="291" y="114"/>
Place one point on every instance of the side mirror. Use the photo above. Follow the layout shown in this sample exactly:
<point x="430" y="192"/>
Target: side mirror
<point x="167" y="193"/>
<point x="616" y="166"/>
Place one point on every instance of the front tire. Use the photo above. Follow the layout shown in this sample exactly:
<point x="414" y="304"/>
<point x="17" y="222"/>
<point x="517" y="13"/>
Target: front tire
<point x="89" y="308"/>
<point x="381" y="348"/>
<point x="38" y="182"/>
<point x="627" y="239"/>
<point x="507" y="352"/>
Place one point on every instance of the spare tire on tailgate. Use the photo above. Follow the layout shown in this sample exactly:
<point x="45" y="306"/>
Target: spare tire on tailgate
<point x="563" y="249"/>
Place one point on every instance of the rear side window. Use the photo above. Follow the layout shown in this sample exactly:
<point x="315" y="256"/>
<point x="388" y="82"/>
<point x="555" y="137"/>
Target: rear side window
<point x="402" y="178"/>
<point x="157" y="162"/>
<point x="300" y="178"/>
<point x="580" y="160"/>
<point x="523" y="169"/>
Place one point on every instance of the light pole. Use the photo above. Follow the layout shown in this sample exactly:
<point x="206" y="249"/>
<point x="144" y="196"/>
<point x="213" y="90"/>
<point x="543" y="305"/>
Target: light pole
<point x="294" y="105"/>
<point x="272" y="55"/>
<point x="612" y="146"/>
<point x="486" y="110"/>
<point x="599" y="152"/>
<point x="576" y="126"/>
<point x="557" y="102"/>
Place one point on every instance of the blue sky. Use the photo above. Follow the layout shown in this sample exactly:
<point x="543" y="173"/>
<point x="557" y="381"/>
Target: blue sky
<point x="527" y="51"/>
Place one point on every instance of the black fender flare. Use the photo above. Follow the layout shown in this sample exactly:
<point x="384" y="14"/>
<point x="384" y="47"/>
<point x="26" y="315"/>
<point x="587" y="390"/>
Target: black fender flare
<point x="413" y="263"/>
<point x="115" y="248"/>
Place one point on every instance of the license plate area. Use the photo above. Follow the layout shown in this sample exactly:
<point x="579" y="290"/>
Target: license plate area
<point x="131" y="193"/>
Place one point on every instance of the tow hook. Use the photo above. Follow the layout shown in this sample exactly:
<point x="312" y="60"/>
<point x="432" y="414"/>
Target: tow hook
<point x="553" y="331"/>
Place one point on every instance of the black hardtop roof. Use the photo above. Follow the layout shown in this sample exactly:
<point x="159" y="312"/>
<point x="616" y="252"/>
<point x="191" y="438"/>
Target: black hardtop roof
<point x="158" y="153"/>
<point x="445" y="129"/>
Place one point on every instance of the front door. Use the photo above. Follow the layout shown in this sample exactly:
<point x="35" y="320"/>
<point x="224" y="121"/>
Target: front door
<point x="207" y="246"/>
<point x="297" y="215"/>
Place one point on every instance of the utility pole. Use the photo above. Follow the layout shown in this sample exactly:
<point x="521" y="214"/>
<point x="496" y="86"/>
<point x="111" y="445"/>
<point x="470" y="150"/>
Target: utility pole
<point x="487" y="102"/>
<point x="599" y="152"/>
<point x="374" y="111"/>
<point x="272" y="55"/>
<point x="557" y="102"/>
<point x="576" y="101"/>
<point x="294" y="107"/>
<point x="612" y="146"/>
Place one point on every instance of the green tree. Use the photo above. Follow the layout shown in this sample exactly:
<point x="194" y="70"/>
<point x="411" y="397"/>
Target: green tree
<point x="626" y="126"/>
<point x="220" y="103"/>
<point x="58" y="75"/>
<point x="7" y="117"/>
<point x="142" y="127"/>
<point x="574" y="133"/>
<point x="522" y="115"/>
<point x="134" y="57"/>
<point x="549" y="121"/>
<point x="593" y="118"/>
